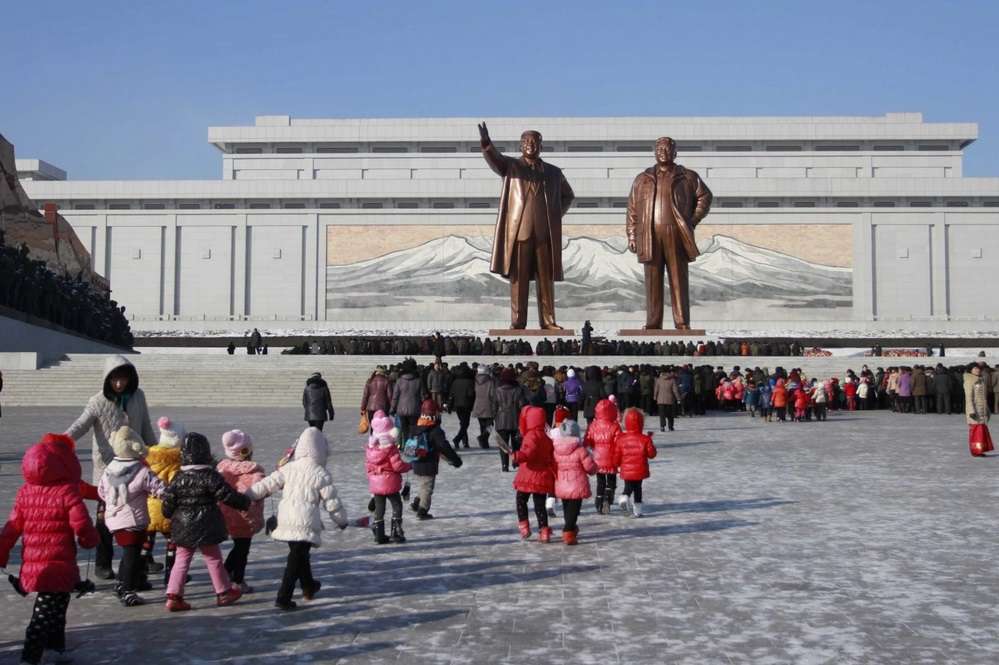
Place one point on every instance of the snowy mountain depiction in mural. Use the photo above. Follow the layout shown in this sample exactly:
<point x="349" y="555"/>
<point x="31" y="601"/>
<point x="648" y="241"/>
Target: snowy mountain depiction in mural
<point x="599" y="274"/>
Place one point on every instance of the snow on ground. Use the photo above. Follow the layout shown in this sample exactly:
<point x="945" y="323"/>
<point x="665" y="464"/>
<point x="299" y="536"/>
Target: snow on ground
<point x="866" y="539"/>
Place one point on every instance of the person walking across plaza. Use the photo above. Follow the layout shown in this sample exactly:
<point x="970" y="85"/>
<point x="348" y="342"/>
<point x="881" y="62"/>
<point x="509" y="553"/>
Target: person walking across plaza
<point x="600" y="438"/>
<point x="667" y="396"/>
<point x="976" y="411"/>
<point x="509" y="401"/>
<point x="573" y="466"/>
<point x="385" y="466"/>
<point x="241" y="473"/>
<point x="50" y="519"/>
<point x="119" y="403"/>
<point x="306" y="487"/>
<point x="535" y="478"/>
<point x="632" y="453"/>
<point x="191" y="503"/>
<point x="427" y="466"/>
<point x="317" y="401"/>
<point x="163" y="460"/>
<point x="484" y="407"/>
<point x="125" y="488"/>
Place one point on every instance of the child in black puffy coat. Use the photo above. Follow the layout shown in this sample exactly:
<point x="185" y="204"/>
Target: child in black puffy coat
<point x="191" y="502"/>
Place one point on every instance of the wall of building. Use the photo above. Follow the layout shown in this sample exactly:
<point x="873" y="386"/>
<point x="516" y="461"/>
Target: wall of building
<point x="862" y="264"/>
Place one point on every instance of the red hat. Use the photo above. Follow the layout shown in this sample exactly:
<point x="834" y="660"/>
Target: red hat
<point x="561" y="413"/>
<point x="429" y="408"/>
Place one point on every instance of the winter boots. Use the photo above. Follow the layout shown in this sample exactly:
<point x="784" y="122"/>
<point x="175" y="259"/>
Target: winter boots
<point x="423" y="514"/>
<point x="636" y="509"/>
<point x="128" y="597"/>
<point x="229" y="597"/>
<point x="608" y="501"/>
<point x="525" y="529"/>
<point x="378" y="529"/>
<point x="415" y="505"/>
<point x="545" y="534"/>
<point x="308" y="593"/>
<point x="598" y="503"/>
<point x="622" y="503"/>
<point x="569" y="537"/>
<point x="176" y="603"/>
<point x="152" y="565"/>
<point x="397" y="535"/>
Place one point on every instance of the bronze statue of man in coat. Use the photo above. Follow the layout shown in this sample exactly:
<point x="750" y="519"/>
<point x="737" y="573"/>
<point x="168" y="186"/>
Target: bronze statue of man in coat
<point x="666" y="202"/>
<point x="527" y="244"/>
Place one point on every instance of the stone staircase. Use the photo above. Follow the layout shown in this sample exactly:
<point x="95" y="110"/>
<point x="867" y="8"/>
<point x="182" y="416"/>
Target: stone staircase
<point x="216" y="379"/>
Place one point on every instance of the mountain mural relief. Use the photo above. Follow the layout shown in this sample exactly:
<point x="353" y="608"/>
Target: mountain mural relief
<point x="600" y="275"/>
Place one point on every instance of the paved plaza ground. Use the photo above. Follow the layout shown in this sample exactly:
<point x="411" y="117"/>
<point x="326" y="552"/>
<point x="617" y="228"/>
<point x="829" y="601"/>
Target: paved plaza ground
<point x="866" y="539"/>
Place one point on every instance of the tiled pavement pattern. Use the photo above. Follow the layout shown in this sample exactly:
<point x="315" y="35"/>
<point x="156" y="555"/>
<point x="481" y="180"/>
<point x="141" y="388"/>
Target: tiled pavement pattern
<point x="866" y="539"/>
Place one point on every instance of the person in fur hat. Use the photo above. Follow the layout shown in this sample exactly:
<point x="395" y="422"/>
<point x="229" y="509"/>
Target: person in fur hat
<point x="191" y="502"/>
<point x="306" y="487"/>
<point x="50" y="520"/>
<point x="164" y="460"/>
<point x="573" y="466"/>
<point x="241" y="472"/>
<point x="426" y="468"/>
<point x="125" y="488"/>
<point x="385" y="466"/>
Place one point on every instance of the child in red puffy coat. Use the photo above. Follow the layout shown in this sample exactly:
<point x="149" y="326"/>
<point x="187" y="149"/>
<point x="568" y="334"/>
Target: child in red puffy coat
<point x="536" y="472"/>
<point x="50" y="518"/>
<point x="600" y="438"/>
<point x="800" y="404"/>
<point x="634" y="450"/>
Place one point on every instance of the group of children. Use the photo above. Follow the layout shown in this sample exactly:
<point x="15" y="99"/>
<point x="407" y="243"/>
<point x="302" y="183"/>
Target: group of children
<point x="777" y="399"/>
<point x="556" y="463"/>
<point x="175" y="488"/>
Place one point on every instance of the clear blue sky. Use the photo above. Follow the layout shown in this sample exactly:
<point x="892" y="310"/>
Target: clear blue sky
<point x="113" y="90"/>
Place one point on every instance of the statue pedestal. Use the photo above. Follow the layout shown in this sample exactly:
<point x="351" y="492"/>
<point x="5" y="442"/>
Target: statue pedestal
<point x="530" y="332"/>
<point x="661" y="332"/>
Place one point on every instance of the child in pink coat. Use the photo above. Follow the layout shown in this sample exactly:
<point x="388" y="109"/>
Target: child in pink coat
<point x="241" y="472"/>
<point x="573" y="464"/>
<point x="385" y="467"/>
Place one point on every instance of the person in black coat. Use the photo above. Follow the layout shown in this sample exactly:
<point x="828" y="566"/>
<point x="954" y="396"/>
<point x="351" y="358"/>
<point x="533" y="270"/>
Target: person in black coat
<point x="317" y="401"/>
<point x="593" y="392"/>
<point x="461" y="398"/>
<point x="426" y="468"/>
<point x="191" y="503"/>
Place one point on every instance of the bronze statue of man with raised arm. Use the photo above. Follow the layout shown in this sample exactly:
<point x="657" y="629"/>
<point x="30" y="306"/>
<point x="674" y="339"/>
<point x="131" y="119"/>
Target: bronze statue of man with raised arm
<point x="666" y="202"/>
<point x="528" y="240"/>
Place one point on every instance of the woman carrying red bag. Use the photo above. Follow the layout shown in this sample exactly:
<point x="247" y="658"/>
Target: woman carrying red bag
<point x="976" y="410"/>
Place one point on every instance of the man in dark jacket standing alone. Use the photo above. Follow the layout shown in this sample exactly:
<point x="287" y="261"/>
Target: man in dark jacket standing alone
<point x="317" y="401"/>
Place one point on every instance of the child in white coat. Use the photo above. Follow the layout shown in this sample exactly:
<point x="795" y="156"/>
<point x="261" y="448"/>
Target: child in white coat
<point x="306" y="485"/>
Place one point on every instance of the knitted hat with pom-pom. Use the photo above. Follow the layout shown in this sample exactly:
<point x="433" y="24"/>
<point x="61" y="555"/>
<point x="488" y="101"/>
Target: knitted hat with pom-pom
<point x="238" y="445"/>
<point x="172" y="433"/>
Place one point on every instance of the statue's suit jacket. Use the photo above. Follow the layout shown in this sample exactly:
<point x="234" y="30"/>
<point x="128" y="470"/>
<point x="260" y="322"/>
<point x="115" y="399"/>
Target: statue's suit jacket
<point x="516" y="175"/>
<point x="691" y="202"/>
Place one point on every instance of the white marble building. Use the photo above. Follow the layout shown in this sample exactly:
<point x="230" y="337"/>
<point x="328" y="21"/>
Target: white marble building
<point x="304" y="204"/>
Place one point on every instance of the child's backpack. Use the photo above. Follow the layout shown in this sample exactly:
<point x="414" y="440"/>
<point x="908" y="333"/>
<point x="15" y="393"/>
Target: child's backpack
<point x="416" y="447"/>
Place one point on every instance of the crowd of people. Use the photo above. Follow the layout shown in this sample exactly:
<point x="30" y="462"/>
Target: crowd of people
<point x="164" y="483"/>
<point x="29" y="286"/>
<point x="445" y="345"/>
